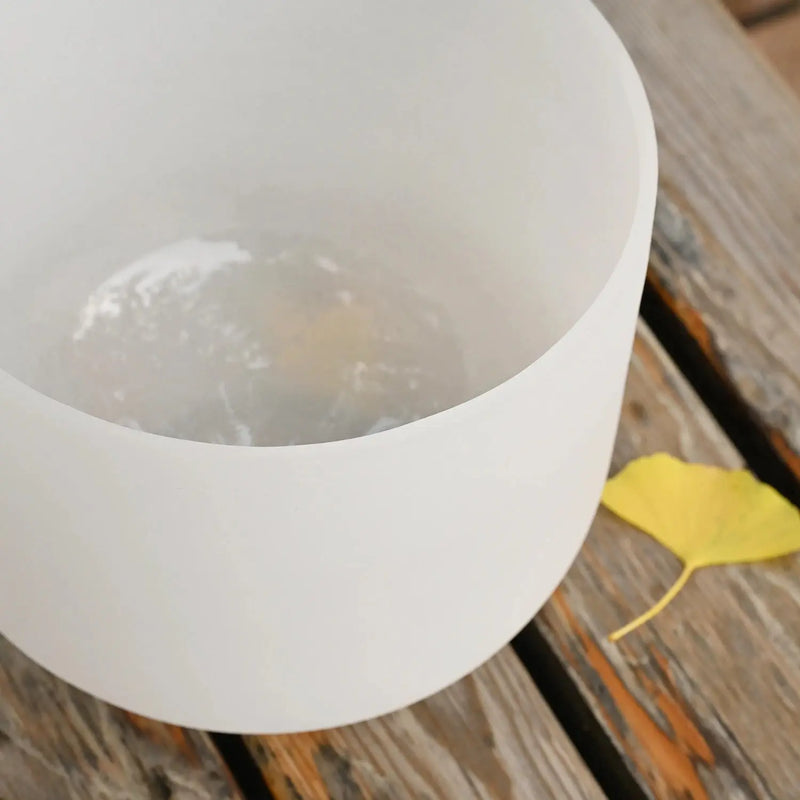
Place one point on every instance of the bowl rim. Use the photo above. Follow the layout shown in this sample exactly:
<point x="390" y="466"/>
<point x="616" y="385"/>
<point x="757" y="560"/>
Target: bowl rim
<point x="641" y="218"/>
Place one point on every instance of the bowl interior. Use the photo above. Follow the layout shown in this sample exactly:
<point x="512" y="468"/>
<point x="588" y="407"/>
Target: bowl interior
<point x="277" y="223"/>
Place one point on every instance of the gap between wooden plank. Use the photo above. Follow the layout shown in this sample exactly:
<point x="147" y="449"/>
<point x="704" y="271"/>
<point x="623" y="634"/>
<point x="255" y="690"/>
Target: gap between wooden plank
<point x="242" y="766"/>
<point x="575" y="716"/>
<point x="692" y="701"/>
<point x="718" y="395"/>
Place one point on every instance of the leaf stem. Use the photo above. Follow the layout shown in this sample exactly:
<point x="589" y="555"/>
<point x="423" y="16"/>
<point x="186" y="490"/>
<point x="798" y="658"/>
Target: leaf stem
<point x="688" y="569"/>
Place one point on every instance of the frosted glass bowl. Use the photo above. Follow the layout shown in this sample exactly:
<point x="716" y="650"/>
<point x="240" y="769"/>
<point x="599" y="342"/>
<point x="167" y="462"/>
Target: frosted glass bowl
<point x="504" y="154"/>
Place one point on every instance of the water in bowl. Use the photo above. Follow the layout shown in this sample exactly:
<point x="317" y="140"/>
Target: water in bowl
<point x="253" y="338"/>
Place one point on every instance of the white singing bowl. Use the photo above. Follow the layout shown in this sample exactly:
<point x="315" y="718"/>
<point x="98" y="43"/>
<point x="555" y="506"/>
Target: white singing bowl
<point x="287" y="588"/>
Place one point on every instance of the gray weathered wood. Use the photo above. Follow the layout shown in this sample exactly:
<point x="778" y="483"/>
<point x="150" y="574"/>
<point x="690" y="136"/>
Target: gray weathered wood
<point x="727" y="240"/>
<point x="57" y="743"/>
<point x="490" y="736"/>
<point x="703" y="702"/>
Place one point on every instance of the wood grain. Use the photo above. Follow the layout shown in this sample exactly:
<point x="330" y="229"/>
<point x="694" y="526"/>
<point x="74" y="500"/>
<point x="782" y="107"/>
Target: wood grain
<point x="726" y="253"/>
<point x="489" y="736"/>
<point x="748" y="10"/>
<point x="704" y="702"/>
<point x="779" y="40"/>
<point x="57" y="743"/>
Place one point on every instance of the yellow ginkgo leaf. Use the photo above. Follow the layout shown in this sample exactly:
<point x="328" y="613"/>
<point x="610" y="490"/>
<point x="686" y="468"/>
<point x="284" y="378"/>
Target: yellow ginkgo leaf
<point x="705" y="515"/>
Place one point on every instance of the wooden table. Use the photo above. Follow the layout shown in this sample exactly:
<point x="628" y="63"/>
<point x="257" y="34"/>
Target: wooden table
<point x="702" y="703"/>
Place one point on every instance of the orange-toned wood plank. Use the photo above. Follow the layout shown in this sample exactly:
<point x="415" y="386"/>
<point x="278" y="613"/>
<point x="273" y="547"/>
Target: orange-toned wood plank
<point x="779" y="40"/>
<point x="702" y="702"/>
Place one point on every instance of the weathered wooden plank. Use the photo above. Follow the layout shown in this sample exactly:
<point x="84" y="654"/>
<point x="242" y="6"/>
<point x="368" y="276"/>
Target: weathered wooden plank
<point x="704" y="702"/>
<point x="57" y="742"/>
<point x="490" y="736"/>
<point x="747" y="10"/>
<point x="727" y="240"/>
<point x="779" y="40"/>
